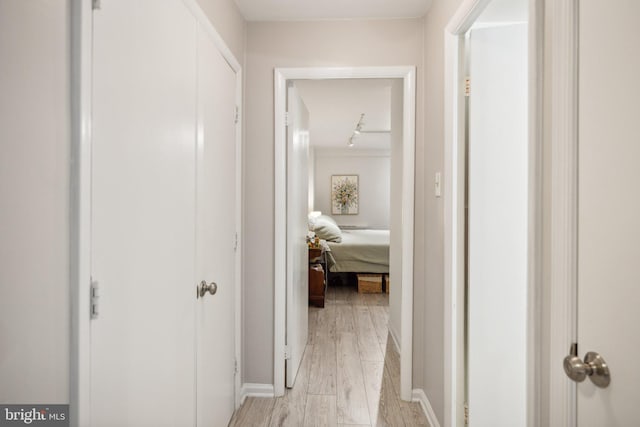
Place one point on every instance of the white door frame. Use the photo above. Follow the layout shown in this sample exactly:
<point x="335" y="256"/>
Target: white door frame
<point x="454" y="181"/>
<point x="80" y="203"/>
<point x="281" y="75"/>
<point x="564" y="208"/>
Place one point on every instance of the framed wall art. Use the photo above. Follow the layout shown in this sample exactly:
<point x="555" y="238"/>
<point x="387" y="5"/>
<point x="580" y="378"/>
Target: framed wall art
<point x="344" y="194"/>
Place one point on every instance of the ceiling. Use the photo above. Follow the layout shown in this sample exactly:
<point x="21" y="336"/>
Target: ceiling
<point x="335" y="107"/>
<point x="302" y="10"/>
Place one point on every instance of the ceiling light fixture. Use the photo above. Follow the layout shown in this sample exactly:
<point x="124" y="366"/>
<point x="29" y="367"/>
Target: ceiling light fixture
<point x="359" y="125"/>
<point x="357" y="130"/>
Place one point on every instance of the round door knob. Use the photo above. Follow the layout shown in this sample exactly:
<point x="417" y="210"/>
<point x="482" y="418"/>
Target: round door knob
<point x="205" y="287"/>
<point x="599" y="374"/>
<point x="575" y="368"/>
<point x="594" y="366"/>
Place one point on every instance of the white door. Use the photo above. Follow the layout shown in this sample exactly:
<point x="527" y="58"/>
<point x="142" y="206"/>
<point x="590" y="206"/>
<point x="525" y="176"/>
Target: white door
<point x="609" y="208"/>
<point x="498" y="226"/>
<point x="297" y="228"/>
<point x="216" y="234"/>
<point x="143" y="214"/>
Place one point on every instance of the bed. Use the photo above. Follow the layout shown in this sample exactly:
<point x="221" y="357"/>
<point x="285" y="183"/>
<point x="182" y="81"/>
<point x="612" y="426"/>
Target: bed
<point x="360" y="251"/>
<point x="351" y="250"/>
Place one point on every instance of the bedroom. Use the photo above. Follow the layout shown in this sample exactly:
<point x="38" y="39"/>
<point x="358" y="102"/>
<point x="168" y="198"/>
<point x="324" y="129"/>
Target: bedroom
<point x="350" y="158"/>
<point x="354" y="135"/>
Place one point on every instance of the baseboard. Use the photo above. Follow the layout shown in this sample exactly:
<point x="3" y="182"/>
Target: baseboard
<point x="394" y="338"/>
<point x="255" y="390"/>
<point x="418" y="395"/>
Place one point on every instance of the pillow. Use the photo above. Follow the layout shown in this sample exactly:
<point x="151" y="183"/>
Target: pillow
<point x="312" y="222"/>
<point x="314" y="217"/>
<point x="326" y="218"/>
<point x="327" y="229"/>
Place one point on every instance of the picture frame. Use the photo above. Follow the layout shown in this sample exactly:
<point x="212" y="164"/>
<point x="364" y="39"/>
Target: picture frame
<point x="345" y="194"/>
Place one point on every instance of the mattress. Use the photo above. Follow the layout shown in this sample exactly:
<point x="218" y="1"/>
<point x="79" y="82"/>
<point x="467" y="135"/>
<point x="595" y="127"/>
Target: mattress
<point x="361" y="251"/>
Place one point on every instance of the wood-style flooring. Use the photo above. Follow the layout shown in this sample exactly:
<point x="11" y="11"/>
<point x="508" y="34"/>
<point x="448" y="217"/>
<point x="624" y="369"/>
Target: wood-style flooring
<point x="350" y="372"/>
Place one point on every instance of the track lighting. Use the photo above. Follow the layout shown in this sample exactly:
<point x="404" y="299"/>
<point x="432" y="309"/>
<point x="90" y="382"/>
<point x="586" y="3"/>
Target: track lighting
<point x="359" y="125"/>
<point x="357" y="130"/>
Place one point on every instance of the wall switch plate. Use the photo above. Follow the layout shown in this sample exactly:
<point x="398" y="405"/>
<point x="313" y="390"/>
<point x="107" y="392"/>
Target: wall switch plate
<point x="438" y="184"/>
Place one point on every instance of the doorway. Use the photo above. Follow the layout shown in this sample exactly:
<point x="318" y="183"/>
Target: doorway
<point x="485" y="40"/>
<point x="496" y="218"/>
<point x="282" y="78"/>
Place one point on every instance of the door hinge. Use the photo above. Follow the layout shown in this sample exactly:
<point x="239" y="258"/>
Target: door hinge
<point x="287" y="352"/>
<point x="286" y="118"/>
<point x="235" y="366"/>
<point x="466" y="414"/>
<point x="467" y="86"/>
<point x="235" y="244"/>
<point x="95" y="5"/>
<point x="95" y="299"/>
<point x="237" y="116"/>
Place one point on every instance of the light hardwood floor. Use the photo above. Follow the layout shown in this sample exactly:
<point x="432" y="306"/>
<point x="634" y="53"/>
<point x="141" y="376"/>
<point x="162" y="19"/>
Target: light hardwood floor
<point x="350" y="372"/>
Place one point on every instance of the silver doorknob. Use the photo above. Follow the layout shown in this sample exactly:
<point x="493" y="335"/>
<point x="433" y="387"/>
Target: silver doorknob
<point x="205" y="287"/>
<point x="594" y="366"/>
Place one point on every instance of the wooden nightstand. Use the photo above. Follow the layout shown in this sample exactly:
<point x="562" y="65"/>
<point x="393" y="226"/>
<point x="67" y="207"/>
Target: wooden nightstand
<point x="317" y="278"/>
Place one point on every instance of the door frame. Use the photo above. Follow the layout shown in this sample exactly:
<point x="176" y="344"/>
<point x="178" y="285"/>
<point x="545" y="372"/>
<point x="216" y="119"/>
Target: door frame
<point x="80" y="203"/>
<point x="454" y="180"/>
<point x="281" y="76"/>
<point x="564" y="23"/>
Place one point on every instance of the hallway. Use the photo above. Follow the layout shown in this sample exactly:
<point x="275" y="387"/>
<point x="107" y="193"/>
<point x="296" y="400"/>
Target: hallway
<point x="350" y="373"/>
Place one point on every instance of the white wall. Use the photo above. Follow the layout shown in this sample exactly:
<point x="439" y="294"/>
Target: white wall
<point x="34" y="192"/>
<point x="373" y="170"/>
<point x="431" y="339"/>
<point x="304" y="44"/>
<point x="229" y="23"/>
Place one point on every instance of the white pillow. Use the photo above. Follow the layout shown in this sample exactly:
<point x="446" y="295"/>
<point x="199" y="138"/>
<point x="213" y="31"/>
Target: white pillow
<point x="326" y="218"/>
<point x="312" y="222"/>
<point x="326" y="228"/>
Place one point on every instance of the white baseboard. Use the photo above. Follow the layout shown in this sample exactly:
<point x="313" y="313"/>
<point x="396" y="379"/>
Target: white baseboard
<point x="394" y="338"/>
<point x="418" y="395"/>
<point x="256" y="390"/>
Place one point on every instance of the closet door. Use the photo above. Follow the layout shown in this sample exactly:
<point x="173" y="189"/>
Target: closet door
<point x="143" y="214"/>
<point x="215" y="236"/>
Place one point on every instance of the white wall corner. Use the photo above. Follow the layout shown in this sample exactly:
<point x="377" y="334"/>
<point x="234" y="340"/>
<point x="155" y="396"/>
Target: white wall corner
<point x="255" y="390"/>
<point x="418" y="395"/>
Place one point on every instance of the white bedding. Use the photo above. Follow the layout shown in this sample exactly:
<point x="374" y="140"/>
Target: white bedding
<point x="361" y="251"/>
